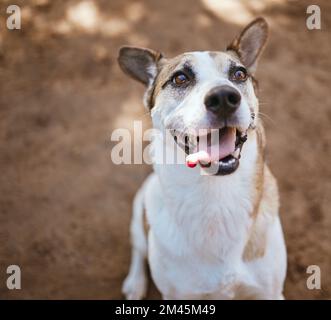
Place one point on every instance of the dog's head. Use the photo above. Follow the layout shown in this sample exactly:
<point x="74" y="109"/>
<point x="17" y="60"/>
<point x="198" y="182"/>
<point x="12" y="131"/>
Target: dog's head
<point x="199" y="93"/>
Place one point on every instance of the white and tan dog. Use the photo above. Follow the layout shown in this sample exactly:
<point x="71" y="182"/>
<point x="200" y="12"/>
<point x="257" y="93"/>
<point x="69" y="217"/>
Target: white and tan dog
<point x="210" y="236"/>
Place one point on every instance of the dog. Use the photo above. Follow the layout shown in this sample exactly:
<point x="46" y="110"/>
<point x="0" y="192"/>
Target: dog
<point x="209" y="236"/>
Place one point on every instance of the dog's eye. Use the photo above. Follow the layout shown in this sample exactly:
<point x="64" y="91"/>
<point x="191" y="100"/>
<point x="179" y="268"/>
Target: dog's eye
<point x="240" y="74"/>
<point x="180" y="79"/>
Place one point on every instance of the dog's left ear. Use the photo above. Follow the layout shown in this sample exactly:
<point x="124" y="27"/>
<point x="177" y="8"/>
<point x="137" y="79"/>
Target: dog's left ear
<point x="250" y="43"/>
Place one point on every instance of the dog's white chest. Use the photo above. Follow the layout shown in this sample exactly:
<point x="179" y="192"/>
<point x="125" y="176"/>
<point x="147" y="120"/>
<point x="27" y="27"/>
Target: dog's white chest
<point x="190" y="279"/>
<point x="195" y="247"/>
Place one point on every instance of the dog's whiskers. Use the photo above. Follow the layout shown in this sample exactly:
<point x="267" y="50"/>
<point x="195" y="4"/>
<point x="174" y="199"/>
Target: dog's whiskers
<point x="267" y="117"/>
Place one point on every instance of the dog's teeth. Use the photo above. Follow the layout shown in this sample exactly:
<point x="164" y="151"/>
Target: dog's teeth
<point x="190" y="139"/>
<point x="236" y="153"/>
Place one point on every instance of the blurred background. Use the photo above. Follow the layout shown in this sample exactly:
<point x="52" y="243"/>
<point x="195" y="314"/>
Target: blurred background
<point x="65" y="208"/>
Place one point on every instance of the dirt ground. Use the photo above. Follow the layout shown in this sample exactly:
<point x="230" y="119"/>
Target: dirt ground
<point x="65" y="207"/>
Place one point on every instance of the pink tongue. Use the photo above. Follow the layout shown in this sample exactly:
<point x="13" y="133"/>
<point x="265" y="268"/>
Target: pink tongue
<point x="215" y="152"/>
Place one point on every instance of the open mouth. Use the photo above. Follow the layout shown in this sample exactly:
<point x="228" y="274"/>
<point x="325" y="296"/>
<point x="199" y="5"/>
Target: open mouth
<point x="221" y="147"/>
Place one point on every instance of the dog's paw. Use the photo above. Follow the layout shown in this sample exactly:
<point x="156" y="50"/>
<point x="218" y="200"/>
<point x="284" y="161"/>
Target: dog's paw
<point x="135" y="286"/>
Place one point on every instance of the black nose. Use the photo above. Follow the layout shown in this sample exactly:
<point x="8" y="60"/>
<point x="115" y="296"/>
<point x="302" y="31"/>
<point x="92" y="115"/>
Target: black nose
<point x="222" y="100"/>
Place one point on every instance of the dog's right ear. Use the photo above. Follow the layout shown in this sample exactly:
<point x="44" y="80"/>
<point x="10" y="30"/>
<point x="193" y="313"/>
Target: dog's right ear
<point x="250" y="43"/>
<point x="139" y="63"/>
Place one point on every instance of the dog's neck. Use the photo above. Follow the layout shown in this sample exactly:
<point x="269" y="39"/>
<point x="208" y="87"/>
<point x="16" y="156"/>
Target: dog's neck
<point x="214" y="207"/>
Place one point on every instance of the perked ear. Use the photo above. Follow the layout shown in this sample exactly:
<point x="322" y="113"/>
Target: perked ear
<point x="139" y="63"/>
<point x="250" y="43"/>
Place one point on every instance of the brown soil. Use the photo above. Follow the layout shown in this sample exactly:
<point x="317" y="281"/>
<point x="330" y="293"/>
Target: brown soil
<point x="65" y="208"/>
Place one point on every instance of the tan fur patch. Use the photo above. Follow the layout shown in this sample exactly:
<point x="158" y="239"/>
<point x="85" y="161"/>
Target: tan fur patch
<point x="146" y="224"/>
<point x="266" y="205"/>
<point x="166" y="67"/>
<point x="255" y="247"/>
<point x="259" y="175"/>
<point x="220" y="60"/>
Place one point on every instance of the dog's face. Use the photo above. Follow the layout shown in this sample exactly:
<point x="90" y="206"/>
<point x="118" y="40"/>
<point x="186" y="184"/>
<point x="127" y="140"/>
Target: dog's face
<point x="200" y="94"/>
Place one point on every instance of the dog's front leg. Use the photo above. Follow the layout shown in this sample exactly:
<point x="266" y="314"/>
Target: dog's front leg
<point x="135" y="284"/>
